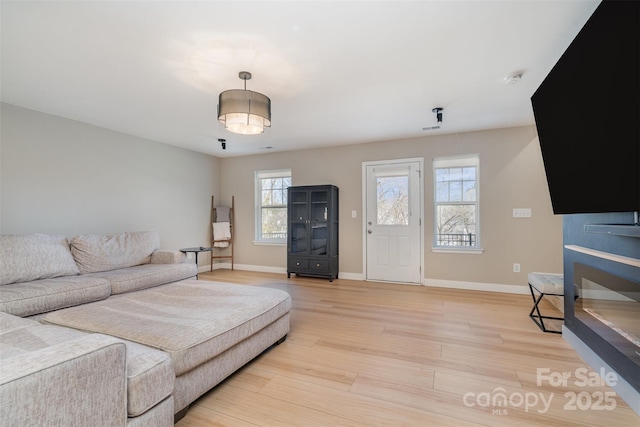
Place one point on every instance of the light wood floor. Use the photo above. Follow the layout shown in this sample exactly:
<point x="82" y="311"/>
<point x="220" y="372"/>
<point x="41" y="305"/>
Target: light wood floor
<point x="369" y="354"/>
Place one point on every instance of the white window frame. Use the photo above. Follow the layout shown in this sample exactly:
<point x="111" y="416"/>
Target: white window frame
<point x="258" y="176"/>
<point x="455" y="162"/>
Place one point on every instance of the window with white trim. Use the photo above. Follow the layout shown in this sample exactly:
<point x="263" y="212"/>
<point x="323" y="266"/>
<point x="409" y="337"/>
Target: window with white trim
<point x="456" y="202"/>
<point x="271" y="205"/>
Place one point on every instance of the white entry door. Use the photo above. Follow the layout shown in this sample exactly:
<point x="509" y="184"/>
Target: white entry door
<point x="393" y="221"/>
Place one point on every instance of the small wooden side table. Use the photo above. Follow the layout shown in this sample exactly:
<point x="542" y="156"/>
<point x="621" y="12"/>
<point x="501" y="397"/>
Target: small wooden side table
<point x="196" y="251"/>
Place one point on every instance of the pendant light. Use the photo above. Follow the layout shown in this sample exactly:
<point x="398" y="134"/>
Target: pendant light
<point x="243" y="111"/>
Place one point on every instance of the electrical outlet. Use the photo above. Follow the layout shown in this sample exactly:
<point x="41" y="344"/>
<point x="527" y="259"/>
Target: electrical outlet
<point x="189" y="255"/>
<point x="354" y="214"/>
<point x="522" y="212"/>
<point x="516" y="267"/>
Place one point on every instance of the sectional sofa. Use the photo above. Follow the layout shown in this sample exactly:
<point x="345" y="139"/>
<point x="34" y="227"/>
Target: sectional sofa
<point x="108" y="330"/>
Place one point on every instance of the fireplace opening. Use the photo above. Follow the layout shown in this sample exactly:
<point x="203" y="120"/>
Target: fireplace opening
<point x="610" y="306"/>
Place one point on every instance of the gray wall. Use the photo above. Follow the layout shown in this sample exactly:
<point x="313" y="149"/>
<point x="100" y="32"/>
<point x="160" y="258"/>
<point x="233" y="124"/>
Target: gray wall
<point x="60" y="176"/>
<point x="65" y="177"/>
<point x="511" y="176"/>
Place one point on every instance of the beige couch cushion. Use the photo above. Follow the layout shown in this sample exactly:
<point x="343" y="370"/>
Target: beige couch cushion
<point x="28" y="257"/>
<point x="41" y="296"/>
<point x="96" y="253"/>
<point x="192" y="320"/>
<point x="146" y="276"/>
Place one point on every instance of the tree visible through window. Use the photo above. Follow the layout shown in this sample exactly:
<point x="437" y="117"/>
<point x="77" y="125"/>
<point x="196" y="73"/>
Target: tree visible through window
<point x="271" y="205"/>
<point x="456" y="202"/>
<point x="392" y="194"/>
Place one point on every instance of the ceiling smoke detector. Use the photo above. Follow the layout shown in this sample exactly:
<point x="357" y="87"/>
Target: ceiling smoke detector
<point x="513" y="78"/>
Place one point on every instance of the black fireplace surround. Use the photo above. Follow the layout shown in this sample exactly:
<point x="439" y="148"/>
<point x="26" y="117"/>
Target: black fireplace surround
<point x="605" y="310"/>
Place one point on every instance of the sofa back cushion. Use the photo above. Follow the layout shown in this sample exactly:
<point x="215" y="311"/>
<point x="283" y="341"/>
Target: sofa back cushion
<point x="28" y="257"/>
<point x="96" y="253"/>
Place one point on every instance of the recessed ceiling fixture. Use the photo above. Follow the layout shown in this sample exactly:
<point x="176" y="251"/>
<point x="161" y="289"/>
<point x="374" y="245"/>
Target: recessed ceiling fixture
<point x="243" y="111"/>
<point x="513" y="78"/>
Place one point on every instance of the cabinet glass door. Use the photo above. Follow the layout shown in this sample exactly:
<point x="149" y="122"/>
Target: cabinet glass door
<point x="319" y="239"/>
<point x="299" y="208"/>
<point x="319" y="205"/>
<point x="299" y="239"/>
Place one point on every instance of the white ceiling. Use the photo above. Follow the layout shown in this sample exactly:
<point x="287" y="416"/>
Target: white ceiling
<point x="337" y="72"/>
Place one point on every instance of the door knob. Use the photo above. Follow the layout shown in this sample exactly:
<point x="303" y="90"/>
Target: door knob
<point x="369" y="231"/>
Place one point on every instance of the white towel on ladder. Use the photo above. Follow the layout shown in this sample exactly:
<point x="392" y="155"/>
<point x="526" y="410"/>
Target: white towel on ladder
<point x="221" y="231"/>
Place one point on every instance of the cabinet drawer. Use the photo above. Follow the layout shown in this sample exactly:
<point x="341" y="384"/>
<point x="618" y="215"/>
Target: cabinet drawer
<point x="319" y="264"/>
<point x="298" y="263"/>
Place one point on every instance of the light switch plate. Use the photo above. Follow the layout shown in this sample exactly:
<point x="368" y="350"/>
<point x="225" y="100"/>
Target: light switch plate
<point x="522" y="212"/>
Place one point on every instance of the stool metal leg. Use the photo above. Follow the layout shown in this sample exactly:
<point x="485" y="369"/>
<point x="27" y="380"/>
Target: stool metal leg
<point x="537" y="318"/>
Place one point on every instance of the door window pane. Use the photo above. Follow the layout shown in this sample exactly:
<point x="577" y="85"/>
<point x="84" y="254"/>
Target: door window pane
<point x="392" y="200"/>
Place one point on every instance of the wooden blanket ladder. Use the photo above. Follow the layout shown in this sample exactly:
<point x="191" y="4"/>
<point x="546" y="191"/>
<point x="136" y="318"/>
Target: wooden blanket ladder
<point x="222" y="248"/>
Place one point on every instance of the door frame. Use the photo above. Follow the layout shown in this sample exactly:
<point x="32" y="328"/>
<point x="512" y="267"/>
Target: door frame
<point x="421" y="179"/>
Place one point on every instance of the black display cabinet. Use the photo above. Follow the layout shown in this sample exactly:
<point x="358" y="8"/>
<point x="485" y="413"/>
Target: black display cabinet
<point x="312" y="232"/>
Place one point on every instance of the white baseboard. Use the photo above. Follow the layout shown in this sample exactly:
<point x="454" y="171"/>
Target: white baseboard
<point x="476" y="286"/>
<point x="622" y="387"/>
<point x="245" y="267"/>
<point x="351" y="276"/>
<point x="268" y="269"/>
<point x="438" y="283"/>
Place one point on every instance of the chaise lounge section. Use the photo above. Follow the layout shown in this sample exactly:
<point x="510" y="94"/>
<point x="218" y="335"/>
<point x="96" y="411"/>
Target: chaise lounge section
<point x="208" y="329"/>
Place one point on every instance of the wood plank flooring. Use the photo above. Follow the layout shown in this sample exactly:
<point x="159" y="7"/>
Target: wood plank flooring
<point x="376" y="354"/>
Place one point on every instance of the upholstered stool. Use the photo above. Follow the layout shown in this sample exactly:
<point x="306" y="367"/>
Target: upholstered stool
<point x="544" y="284"/>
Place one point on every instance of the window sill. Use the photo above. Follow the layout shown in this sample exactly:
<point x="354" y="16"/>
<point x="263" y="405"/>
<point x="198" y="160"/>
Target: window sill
<point x="441" y="250"/>
<point x="264" y="243"/>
